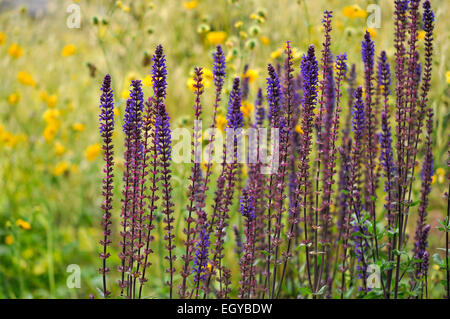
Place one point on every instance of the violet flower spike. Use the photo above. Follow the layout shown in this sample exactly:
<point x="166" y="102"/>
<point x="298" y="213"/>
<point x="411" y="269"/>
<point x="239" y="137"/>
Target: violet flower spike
<point x="106" y="119"/>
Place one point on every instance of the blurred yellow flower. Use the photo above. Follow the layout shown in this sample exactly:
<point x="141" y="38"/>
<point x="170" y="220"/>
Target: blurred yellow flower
<point x="68" y="50"/>
<point x="433" y="179"/>
<point x="23" y="224"/>
<point x="92" y="151"/>
<point x="238" y="24"/>
<point x="354" y="12"/>
<point x="247" y="108"/>
<point x="116" y="112"/>
<point x="14" y="98"/>
<point x="190" y="83"/>
<point x="207" y="73"/>
<point x="372" y="32"/>
<point x="298" y="129"/>
<point x="221" y="121"/>
<point x="148" y="81"/>
<point x="15" y="51"/>
<point x="421" y="35"/>
<point x="60" y="168"/>
<point x="447" y="77"/>
<point x="51" y="116"/>
<point x="189" y="5"/>
<point x="265" y="40"/>
<point x="276" y="54"/>
<point x="216" y="37"/>
<point x="9" y="240"/>
<point x="59" y="149"/>
<point x="51" y="100"/>
<point x="26" y="78"/>
<point x="78" y="127"/>
<point x="440" y="172"/>
<point x="50" y="132"/>
<point x="251" y="74"/>
<point x="2" y="38"/>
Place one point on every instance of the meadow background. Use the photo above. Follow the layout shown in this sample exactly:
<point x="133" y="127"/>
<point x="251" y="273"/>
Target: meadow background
<point x="50" y="156"/>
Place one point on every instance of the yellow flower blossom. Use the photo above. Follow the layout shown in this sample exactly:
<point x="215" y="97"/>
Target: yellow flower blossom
<point x="216" y="37"/>
<point x="51" y="116"/>
<point x="68" y="50"/>
<point x="51" y="100"/>
<point x="447" y="77"/>
<point x="440" y="172"/>
<point x="78" y="127"/>
<point x="116" y="112"/>
<point x="59" y="149"/>
<point x="126" y="8"/>
<point x="15" y="51"/>
<point x="9" y="240"/>
<point x="221" y="121"/>
<point x="265" y="40"/>
<point x="26" y="78"/>
<point x="92" y="151"/>
<point x="276" y="54"/>
<point x="60" y="168"/>
<point x="354" y="11"/>
<point x="148" y="81"/>
<point x="14" y="98"/>
<point x="433" y="179"/>
<point x="247" y="108"/>
<point x="189" y="5"/>
<point x="23" y="224"/>
<point x="372" y="32"/>
<point x="2" y="38"/>
<point x="238" y="24"/>
<point x="421" y="35"/>
<point x="190" y="83"/>
<point x="207" y="73"/>
<point x="299" y="129"/>
<point x="251" y="74"/>
<point x="50" y="132"/>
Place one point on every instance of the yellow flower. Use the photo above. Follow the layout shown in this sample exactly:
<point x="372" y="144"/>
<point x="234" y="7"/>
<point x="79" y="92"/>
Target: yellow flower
<point x="265" y="40"/>
<point x="189" y="5"/>
<point x="190" y="83"/>
<point x="26" y="78"/>
<point x="207" y="73"/>
<point x="119" y="4"/>
<point x="59" y="149"/>
<point x="238" y="24"/>
<point x="14" y="98"/>
<point x="78" y="127"/>
<point x="126" y="8"/>
<point x="116" y="112"/>
<point x="148" y="81"/>
<point x="298" y="129"/>
<point x="372" y="32"/>
<point x="51" y="116"/>
<point x="50" y="132"/>
<point x="23" y="224"/>
<point x="276" y="54"/>
<point x="440" y="172"/>
<point x="9" y="240"/>
<point x="216" y="37"/>
<point x="247" y="108"/>
<point x="68" y="50"/>
<point x="447" y="77"/>
<point x="51" y="100"/>
<point x="221" y="121"/>
<point x="2" y="38"/>
<point x="433" y="179"/>
<point x="60" y="168"/>
<point x="251" y="74"/>
<point x="421" y="35"/>
<point x="15" y="51"/>
<point x="92" y="151"/>
<point x="354" y="12"/>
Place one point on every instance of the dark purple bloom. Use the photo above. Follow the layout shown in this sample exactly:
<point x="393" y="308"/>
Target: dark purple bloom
<point x="260" y="113"/>
<point x="106" y="131"/>
<point x="274" y="97"/>
<point x="368" y="50"/>
<point x="235" y="118"/>
<point x="219" y="68"/>
<point x="201" y="255"/>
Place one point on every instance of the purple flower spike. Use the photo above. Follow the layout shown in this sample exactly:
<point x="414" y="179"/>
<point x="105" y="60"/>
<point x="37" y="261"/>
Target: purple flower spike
<point x="235" y="118"/>
<point x="106" y="131"/>
<point x="274" y="97"/>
